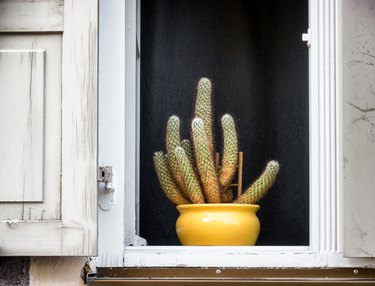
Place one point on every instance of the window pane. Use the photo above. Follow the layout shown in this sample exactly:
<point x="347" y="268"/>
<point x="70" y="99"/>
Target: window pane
<point x="253" y="53"/>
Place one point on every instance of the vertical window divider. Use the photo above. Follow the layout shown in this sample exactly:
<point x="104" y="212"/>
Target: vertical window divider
<point x="323" y="127"/>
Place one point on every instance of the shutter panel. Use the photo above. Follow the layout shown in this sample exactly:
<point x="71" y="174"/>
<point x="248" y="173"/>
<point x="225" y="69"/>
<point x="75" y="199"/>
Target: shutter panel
<point x="359" y="132"/>
<point x="48" y="127"/>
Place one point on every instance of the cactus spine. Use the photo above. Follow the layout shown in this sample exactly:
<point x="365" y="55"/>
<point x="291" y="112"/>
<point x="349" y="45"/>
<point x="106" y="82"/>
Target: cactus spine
<point x="204" y="161"/>
<point x="191" y="182"/>
<point x="230" y="151"/>
<point x="166" y="181"/>
<point x="186" y="144"/>
<point x="259" y="188"/>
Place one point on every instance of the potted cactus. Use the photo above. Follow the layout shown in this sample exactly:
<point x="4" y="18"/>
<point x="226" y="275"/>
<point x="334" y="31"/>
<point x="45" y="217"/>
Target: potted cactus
<point x="211" y="212"/>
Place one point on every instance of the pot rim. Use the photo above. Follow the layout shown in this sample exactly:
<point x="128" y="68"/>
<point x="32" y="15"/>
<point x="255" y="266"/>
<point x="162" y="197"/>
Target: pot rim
<point x="254" y="207"/>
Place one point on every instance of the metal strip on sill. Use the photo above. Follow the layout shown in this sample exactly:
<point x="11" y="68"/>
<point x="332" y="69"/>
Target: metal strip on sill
<point x="224" y="283"/>
<point x="230" y="276"/>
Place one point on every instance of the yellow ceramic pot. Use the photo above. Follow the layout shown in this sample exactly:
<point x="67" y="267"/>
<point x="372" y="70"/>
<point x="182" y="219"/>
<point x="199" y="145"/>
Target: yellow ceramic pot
<point x="218" y="224"/>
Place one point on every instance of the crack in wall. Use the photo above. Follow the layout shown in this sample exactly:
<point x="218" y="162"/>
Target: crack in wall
<point x="365" y="110"/>
<point x="368" y="54"/>
<point x="364" y="117"/>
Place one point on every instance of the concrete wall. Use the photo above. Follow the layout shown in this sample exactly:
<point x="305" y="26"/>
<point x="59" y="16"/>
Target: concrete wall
<point x="14" y="271"/>
<point x="41" y="271"/>
<point x="359" y="126"/>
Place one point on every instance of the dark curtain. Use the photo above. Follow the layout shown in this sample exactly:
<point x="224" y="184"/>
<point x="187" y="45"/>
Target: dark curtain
<point x="253" y="53"/>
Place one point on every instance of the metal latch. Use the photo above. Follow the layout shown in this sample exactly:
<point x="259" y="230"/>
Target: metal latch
<point x="306" y="37"/>
<point x="105" y="175"/>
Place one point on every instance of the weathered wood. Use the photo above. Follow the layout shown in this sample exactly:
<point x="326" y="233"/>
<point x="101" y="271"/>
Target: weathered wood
<point x="240" y="173"/>
<point x="51" y="114"/>
<point x="21" y="125"/>
<point x="20" y="238"/>
<point x="66" y="222"/>
<point x="79" y="127"/>
<point x="31" y="16"/>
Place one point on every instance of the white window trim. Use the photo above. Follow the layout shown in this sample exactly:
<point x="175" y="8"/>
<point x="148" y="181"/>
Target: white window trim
<point x="326" y="206"/>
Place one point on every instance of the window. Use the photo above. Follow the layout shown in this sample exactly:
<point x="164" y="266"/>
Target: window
<point x="253" y="53"/>
<point x="325" y="202"/>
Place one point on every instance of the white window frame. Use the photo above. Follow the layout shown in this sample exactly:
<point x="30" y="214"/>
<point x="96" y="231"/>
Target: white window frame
<point x="118" y="226"/>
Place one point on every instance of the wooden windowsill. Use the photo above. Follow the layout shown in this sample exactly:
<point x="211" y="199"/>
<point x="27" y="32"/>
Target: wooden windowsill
<point x="230" y="276"/>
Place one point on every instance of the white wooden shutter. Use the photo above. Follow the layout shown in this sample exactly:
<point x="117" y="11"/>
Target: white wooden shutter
<point x="48" y="127"/>
<point x="359" y="128"/>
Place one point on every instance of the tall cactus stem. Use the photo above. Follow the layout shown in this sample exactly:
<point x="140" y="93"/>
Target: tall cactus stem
<point x="166" y="181"/>
<point x="260" y="187"/>
<point x="173" y="141"/>
<point x="205" y="162"/>
<point x="186" y="144"/>
<point x="203" y="109"/>
<point x="191" y="180"/>
<point x="230" y="151"/>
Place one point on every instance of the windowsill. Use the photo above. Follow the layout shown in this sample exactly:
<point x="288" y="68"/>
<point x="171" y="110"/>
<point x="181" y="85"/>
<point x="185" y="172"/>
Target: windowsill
<point x="232" y="256"/>
<point x="230" y="276"/>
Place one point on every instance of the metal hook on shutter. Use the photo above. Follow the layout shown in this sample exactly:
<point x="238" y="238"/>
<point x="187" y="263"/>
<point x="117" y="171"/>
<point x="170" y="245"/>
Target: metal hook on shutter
<point x="106" y="195"/>
<point x="105" y="175"/>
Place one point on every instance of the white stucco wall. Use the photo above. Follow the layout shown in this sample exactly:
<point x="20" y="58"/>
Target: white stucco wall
<point x="359" y="126"/>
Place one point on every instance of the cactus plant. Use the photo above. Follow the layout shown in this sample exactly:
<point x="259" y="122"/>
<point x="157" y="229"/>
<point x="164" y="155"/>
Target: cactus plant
<point x="166" y="181"/>
<point x="187" y="174"/>
<point x="204" y="161"/>
<point x="203" y="109"/>
<point x="230" y="151"/>
<point x="257" y="190"/>
<point x="173" y="141"/>
<point x="186" y="144"/>
<point x="191" y="181"/>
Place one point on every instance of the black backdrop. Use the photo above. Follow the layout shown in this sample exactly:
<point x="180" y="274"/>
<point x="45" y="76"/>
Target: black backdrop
<point x="253" y="53"/>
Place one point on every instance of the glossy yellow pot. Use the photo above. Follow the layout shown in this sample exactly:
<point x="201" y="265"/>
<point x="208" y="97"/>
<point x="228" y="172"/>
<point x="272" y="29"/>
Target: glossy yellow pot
<point x="218" y="224"/>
